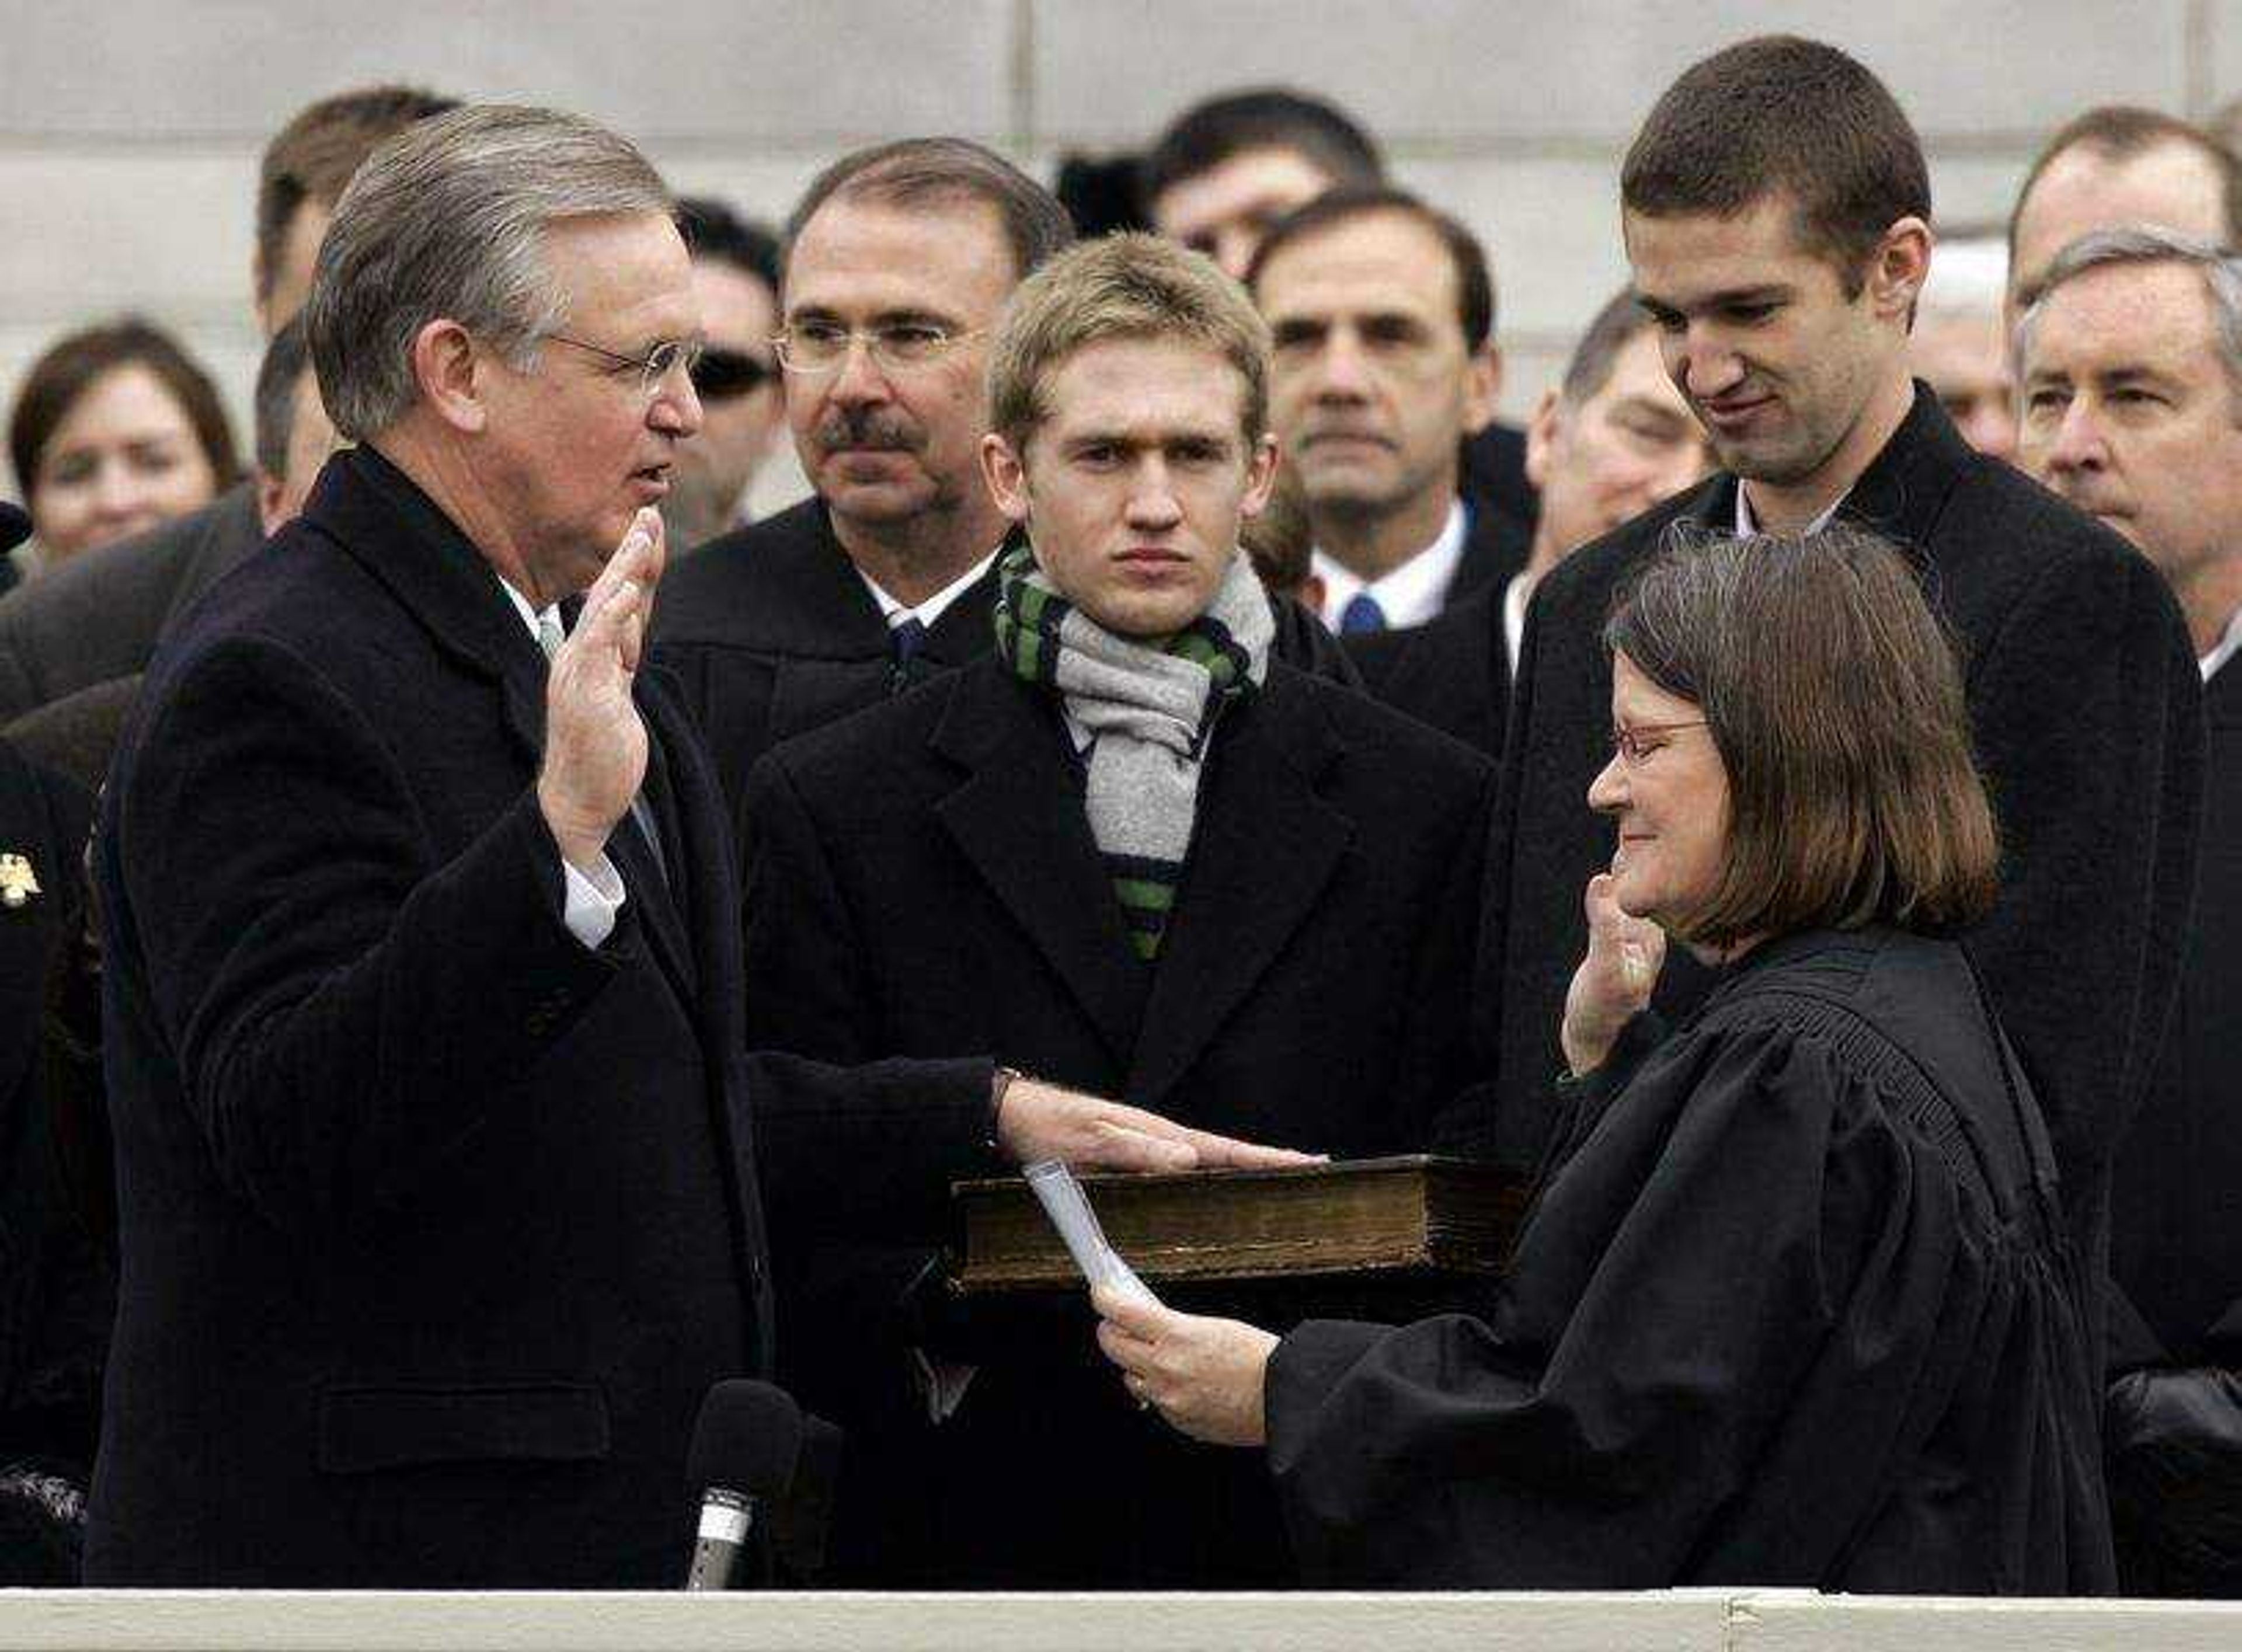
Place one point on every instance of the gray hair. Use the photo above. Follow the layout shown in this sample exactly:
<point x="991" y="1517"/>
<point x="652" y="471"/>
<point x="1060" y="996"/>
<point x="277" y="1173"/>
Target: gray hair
<point x="448" y="219"/>
<point x="1598" y="351"/>
<point x="274" y="406"/>
<point x="2135" y="244"/>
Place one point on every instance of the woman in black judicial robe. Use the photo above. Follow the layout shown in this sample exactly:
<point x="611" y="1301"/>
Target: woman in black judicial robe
<point x="1794" y="1306"/>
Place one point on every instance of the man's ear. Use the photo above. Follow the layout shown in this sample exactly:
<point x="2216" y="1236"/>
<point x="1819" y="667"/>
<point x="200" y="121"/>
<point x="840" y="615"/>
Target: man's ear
<point x="1542" y="439"/>
<point x="1006" y="473"/>
<point x="1482" y="387"/>
<point x="1260" y="478"/>
<point x="453" y="375"/>
<point x="271" y="492"/>
<point x="1901" y="264"/>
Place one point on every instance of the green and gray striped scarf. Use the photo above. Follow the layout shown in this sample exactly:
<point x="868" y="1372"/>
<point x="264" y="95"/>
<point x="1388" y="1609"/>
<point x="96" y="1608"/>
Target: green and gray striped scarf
<point x="1148" y="710"/>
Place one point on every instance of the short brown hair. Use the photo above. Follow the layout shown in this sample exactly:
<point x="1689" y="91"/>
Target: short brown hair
<point x="1124" y="286"/>
<point x="1834" y="696"/>
<point x="2123" y="131"/>
<point x="1779" y="115"/>
<point x="924" y="172"/>
<point x="1474" y="279"/>
<point x="73" y="363"/>
<point x="313" y="157"/>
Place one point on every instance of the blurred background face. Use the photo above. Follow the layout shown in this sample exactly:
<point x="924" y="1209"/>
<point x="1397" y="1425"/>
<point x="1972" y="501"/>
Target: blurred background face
<point x="739" y="419"/>
<point x="1962" y="358"/>
<point x="1227" y="210"/>
<point x="2130" y="414"/>
<point x="311" y="439"/>
<point x="1615" y="454"/>
<point x="2172" y="186"/>
<point x="1371" y="386"/>
<point x="123" y="458"/>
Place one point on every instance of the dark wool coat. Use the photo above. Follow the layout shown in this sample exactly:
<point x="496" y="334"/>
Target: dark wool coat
<point x="924" y="883"/>
<point x="436" y="1224"/>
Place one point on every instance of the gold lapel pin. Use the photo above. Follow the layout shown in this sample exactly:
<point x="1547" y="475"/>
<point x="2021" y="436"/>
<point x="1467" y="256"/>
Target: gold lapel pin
<point x="17" y="883"/>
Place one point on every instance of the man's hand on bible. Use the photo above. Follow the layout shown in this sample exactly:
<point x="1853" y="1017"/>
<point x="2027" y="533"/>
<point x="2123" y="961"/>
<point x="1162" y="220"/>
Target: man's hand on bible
<point x="1037" y="1120"/>
<point x="596" y="749"/>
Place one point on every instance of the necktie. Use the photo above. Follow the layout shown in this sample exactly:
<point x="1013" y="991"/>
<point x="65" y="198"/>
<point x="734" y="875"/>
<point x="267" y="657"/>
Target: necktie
<point x="904" y="642"/>
<point x="1361" y="613"/>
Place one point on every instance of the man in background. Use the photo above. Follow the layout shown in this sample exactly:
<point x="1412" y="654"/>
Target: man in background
<point x="2131" y="374"/>
<point x="1228" y="171"/>
<point x="1382" y="314"/>
<point x="98" y="615"/>
<point x="2114" y="166"/>
<point x="1959" y="348"/>
<point x="735" y="266"/>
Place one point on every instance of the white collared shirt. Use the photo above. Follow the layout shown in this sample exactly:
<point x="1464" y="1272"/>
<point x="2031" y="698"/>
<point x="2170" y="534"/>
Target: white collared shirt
<point x="1516" y="596"/>
<point x="1410" y="593"/>
<point x="2224" y="649"/>
<point x="928" y="612"/>
<point x="593" y="898"/>
<point x="1746" y="525"/>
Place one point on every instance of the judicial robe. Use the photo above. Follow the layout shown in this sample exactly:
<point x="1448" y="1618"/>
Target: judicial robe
<point x="1799" y="1309"/>
<point x="2085" y="711"/>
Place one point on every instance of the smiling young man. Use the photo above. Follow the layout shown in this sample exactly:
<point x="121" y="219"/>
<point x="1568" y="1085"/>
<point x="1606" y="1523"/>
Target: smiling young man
<point x="1775" y="208"/>
<point x="1183" y="871"/>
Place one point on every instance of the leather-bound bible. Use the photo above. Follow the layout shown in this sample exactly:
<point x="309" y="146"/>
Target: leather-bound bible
<point x="1407" y="1220"/>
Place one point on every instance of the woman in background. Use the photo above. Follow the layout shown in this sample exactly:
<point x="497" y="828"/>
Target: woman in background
<point x="115" y="430"/>
<point x="1795" y="1307"/>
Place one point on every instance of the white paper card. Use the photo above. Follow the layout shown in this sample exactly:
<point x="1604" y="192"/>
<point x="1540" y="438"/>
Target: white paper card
<point x="1068" y="1207"/>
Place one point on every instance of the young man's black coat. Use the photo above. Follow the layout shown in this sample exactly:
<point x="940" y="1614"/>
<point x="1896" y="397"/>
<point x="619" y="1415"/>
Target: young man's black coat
<point x="2086" y="709"/>
<point x="924" y="883"/>
<point x="772" y="633"/>
<point x="437" y="1224"/>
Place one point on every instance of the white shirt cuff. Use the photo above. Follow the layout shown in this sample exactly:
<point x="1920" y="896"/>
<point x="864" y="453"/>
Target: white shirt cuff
<point x="593" y="900"/>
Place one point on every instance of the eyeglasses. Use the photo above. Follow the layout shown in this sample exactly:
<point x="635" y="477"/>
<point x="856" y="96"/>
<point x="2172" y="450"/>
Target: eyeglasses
<point x="653" y="367"/>
<point x="720" y="374"/>
<point x="897" y="347"/>
<point x="1635" y="744"/>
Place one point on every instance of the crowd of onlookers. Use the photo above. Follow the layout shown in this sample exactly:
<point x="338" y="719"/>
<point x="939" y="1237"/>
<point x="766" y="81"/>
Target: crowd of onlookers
<point x="2093" y="342"/>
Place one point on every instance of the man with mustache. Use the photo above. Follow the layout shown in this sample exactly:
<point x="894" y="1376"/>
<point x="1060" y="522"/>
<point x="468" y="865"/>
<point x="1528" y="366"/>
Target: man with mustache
<point x="1775" y="209"/>
<point x="2133" y="398"/>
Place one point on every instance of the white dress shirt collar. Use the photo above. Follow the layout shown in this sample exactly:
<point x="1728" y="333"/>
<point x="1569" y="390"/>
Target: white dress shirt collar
<point x="928" y="612"/>
<point x="1410" y="593"/>
<point x="2224" y="649"/>
<point x="1746" y="525"/>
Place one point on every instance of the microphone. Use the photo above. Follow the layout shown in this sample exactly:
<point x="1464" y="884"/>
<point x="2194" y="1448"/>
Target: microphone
<point x="746" y="1444"/>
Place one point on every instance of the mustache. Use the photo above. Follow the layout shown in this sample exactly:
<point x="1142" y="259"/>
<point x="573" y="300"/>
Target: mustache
<point x="865" y="428"/>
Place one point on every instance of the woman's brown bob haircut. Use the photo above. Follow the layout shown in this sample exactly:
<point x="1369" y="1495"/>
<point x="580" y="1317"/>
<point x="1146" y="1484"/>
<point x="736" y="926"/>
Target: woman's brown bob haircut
<point x="1833" y="695"/>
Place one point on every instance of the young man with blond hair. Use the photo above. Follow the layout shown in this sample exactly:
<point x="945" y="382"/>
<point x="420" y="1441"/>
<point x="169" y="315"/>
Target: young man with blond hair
<point x="1187" y="874"/>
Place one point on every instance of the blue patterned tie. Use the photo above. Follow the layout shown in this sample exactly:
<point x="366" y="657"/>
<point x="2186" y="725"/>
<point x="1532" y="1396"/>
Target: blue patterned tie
<point x="904" y="642"/>
<point x="1361" y="613"/>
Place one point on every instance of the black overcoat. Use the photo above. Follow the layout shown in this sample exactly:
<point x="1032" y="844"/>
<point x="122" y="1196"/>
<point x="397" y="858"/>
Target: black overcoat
<point x="2086" y="712"/>
<point x="436" y="1224"/>
<point x="923" y="882"/>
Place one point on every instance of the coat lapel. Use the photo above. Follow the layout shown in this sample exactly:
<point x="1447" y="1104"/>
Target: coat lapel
<point x="1017" y="816"/>
<point x="392" y="529"/>
<point x="1262" y="849"/>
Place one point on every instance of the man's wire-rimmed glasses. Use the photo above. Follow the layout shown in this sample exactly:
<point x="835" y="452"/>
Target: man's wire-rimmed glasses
<point x="653" y="367"/>
<point x="818" y="347"/>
